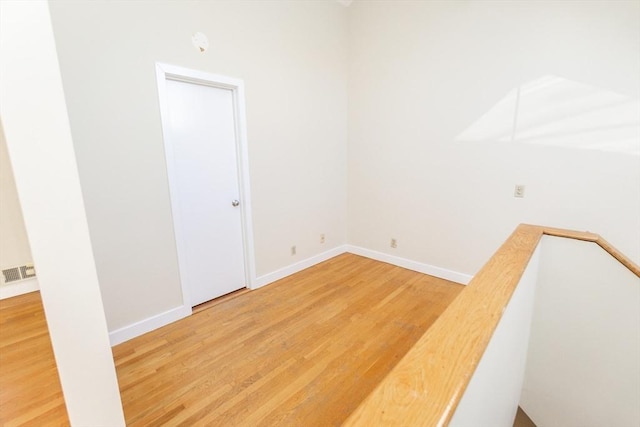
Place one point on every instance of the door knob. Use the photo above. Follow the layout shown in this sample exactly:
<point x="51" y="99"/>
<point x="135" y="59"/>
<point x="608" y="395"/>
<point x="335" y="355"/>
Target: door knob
<point x="235" y="203"/>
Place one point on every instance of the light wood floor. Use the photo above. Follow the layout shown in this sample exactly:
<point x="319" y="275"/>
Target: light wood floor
<point x="30" y="393"/>
<point x="522" y="419"/>
<point x="303" y="351"/>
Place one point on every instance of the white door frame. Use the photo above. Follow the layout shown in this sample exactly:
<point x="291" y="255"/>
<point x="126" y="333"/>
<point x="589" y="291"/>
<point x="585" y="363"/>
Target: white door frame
<point x="166" y="72"/>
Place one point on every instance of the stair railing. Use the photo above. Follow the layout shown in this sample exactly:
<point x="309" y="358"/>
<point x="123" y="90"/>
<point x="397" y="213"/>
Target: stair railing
<point x="426" y="386"/>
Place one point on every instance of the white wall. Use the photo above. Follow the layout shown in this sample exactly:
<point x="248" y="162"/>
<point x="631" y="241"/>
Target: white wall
<point x="421" y="73"/>
<point x="39" y="143"/>
<point x="292" y="57"/>
<point x="583" y="365"/>
<point x="14" y="246"/>
<point x="493" y="393"/>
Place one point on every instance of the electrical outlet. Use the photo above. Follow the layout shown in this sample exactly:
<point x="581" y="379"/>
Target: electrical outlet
<point x="394" y="243"/>
<point x="293" y="250"/>
<point x="519" y="191"/>
<point x="322" y="238"/>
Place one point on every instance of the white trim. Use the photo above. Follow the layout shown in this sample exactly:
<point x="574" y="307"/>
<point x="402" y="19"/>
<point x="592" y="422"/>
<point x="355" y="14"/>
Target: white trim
<point x="431" y="270"/>
<point x="154" y="322"/>
<point x="298" y="266"/>
<point x="149" y="324"/>
<point x="166" y="72"/>
<point x="22" y="287"/>
<point x="245" y="189"/>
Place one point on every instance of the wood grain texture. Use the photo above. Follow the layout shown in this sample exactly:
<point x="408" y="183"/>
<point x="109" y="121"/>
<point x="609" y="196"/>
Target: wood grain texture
<point x="596" y="238"/>
<point x="622" y="258"/>
<point x="425" y="387"/>
<point x="30" y="393"/>
<point x="304" y="351"/>
<point x="586" y="236"/>
<point x="343" y="341"/>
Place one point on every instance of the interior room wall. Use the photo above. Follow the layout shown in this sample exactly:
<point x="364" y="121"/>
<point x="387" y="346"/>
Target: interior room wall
<point x="583" y="362"/>
<point x="38" y="137"/>
<point x="14" y="246"/>
<point x="417" y="76"/>
<point x="292" y="58"/>
<point x="421" y="73"/>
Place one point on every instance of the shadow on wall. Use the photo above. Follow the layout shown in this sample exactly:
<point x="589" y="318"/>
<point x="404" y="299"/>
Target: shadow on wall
<point x="555" y="111"/>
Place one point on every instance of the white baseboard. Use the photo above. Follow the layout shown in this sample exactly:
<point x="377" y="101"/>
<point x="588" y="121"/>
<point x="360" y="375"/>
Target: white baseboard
<point x="22" y="287"/>
<point x="298" y="266"/>
<point x="431" y="270"/>
<point x="149" y="324"/>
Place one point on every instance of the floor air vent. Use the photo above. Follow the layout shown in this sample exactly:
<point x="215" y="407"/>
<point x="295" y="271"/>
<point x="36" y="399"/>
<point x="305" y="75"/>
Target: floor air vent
<point x="18" y="273"/>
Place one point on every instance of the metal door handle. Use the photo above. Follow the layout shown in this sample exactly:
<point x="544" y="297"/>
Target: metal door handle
<point x="235" y="203"/>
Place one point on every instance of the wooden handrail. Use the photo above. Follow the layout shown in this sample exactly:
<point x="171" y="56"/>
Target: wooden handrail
<point x="425" y="387"/>
<point x="595" y="238"/>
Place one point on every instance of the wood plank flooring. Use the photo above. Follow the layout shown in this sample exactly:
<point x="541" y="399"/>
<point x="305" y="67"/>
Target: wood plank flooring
<point x="303" y="351"/>
<point x="522" y="419"/>
<point x="30" y="393"/>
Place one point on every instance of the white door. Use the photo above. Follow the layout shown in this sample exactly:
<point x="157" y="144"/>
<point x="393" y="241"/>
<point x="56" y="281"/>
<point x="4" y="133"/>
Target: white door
<point x="200" y="122"/>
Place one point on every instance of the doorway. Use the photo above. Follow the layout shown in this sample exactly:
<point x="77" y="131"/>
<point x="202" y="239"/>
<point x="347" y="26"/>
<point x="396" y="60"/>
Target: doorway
<point x="205" y="149"/>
